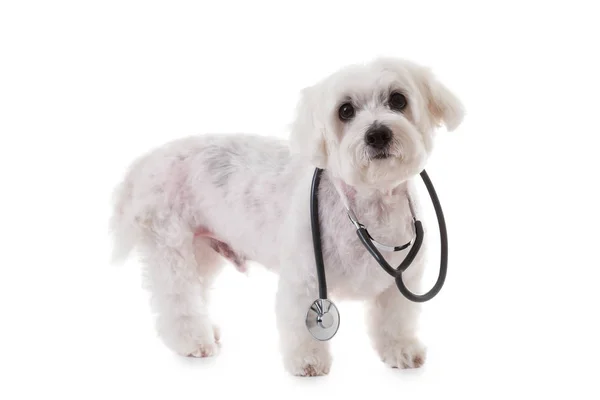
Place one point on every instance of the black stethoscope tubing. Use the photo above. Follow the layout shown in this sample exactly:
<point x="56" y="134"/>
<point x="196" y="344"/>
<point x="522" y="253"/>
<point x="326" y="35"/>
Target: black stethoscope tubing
<point x="367" y="241"/>
<point x="316" y="234"/>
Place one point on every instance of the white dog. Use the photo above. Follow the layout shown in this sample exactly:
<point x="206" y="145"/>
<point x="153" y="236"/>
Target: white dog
<point x="196" y="202"/>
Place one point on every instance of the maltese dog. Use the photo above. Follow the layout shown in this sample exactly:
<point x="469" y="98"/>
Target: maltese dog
<point x="198" y="203"/>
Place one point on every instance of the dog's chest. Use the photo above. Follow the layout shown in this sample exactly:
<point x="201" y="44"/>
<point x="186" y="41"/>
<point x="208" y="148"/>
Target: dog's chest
<point x="356" y="274"/>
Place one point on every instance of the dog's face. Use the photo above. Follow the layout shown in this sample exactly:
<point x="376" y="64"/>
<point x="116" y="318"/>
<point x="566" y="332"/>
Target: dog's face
<point x="373" y="125"/>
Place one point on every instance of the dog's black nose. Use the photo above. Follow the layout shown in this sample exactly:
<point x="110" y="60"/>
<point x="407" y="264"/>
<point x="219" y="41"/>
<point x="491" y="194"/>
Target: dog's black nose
<point x="378" y="136"/>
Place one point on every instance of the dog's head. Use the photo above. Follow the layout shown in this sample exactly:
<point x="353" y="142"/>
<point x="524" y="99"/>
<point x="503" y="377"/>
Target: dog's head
<point x="373" y="125"/>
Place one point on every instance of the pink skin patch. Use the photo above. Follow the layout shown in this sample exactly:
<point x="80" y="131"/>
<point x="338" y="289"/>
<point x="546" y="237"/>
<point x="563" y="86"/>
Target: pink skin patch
<point x="202" y="232"/>
<point x="222" y="248"/>
<point x="348" y="191"/>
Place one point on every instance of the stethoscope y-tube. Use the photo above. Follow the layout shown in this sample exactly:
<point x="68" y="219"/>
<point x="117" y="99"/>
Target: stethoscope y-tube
<point x="322" y="319"/>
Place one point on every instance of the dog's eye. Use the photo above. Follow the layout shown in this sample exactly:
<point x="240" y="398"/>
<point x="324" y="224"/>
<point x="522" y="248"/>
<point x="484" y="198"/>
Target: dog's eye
<point x="397" y="101"/>
<point x="346" y="111"/>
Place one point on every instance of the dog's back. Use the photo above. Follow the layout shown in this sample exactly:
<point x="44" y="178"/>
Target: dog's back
<point x="199" y="181"/>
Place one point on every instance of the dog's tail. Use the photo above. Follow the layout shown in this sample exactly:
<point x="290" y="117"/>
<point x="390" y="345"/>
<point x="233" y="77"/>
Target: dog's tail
<point x="122" y="226"/>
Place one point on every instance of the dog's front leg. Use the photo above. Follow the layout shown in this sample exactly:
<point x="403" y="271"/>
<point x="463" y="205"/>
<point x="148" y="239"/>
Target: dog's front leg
<point x="302" y="354"/>
<point x="392" y="323"/>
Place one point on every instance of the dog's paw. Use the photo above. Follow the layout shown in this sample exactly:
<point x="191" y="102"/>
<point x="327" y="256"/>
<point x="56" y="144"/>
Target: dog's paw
<point x="308" y="365"/>
<point x="196" y="340"/>
<point x="404" y="354"/>
<point x="205" y="350"/>
<point x="208" y="349"/>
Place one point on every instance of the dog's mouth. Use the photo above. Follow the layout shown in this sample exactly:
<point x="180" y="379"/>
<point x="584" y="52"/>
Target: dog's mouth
<point x="381" y="156"/>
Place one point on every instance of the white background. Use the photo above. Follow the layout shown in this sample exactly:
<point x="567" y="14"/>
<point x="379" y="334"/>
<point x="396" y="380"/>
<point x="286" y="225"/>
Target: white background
<point x="86" y="86"/>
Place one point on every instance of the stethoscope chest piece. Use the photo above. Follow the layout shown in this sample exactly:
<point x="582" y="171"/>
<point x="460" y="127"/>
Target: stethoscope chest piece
<point x="323" y="319"/>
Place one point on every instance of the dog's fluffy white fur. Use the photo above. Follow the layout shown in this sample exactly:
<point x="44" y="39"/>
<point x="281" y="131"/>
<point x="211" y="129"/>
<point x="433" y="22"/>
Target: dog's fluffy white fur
<point x="193" y="204"/>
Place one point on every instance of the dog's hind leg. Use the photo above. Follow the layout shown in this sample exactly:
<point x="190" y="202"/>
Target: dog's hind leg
<point x="180" y="270"/>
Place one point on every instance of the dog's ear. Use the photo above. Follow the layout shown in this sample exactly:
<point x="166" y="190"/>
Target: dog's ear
<point x="308" y="129"/>
<point x="443" y="106"/>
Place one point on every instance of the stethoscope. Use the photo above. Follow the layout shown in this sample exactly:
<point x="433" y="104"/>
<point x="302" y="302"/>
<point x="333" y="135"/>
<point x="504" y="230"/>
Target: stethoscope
<point x="323" y="317"/>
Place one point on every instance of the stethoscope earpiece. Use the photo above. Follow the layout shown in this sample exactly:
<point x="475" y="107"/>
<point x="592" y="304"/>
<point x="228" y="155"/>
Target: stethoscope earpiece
<point x="323" y="319"/>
